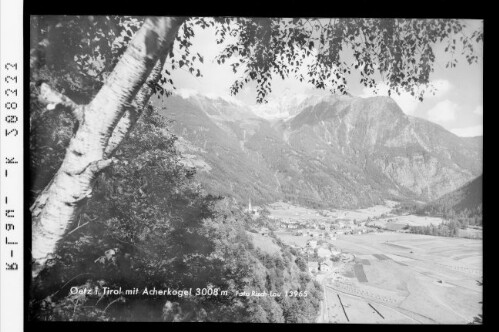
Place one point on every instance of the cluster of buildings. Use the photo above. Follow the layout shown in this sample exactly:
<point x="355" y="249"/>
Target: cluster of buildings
<point x="317" y="224"/>
<point x="321" y="228"/>
<point x="332" y="234"/>
<point x="321" y="256"/>
<point x="316" y="267"/>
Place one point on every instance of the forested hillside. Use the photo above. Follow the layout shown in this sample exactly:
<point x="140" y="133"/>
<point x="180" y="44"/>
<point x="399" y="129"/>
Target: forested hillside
<point x="464" y="203"/>
<point x="149" y="224"/>
<point x="460" y="208"/>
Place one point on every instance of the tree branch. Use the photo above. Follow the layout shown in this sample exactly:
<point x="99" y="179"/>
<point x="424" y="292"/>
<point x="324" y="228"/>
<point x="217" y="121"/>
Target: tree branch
<point x="97" y="166"/>
<point x="112" y="302"/>
<point x="54" y="99"/>
<point x="84" y="158"/>
<point x="77" y="228"/>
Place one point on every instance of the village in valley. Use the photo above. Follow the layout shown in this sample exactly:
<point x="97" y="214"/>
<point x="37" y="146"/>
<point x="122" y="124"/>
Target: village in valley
<point x="314" y="232"/>
<point x="372" y="269"/>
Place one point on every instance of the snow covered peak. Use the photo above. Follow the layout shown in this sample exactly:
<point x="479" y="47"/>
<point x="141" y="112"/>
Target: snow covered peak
<point x="186" y="93"/>
<point x="289" y="104"/>
<point x="283" y="106"/>
<point x="190" y="93"/>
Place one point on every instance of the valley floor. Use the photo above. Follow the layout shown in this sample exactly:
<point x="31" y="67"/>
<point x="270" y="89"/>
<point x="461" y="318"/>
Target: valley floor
<point x="403" y="278"/>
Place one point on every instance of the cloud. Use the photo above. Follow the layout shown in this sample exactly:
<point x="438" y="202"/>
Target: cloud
<point x="469" y="131"/>
<point x="443" y="111"/>
<point x="408" y="103"/>
<point x="186" y="93"/>
<point x="441" y="88"/>
<point x="478" y="110"/>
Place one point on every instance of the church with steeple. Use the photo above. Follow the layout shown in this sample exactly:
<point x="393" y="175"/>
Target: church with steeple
<point x="251" y="210"/>
<point x="249" y="206"/>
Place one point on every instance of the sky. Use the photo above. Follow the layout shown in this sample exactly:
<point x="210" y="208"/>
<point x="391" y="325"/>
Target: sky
<point x="457" y="104"/>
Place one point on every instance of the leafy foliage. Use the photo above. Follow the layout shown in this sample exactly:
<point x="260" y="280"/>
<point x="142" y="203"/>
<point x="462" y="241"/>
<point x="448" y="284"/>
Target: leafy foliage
<point x="399" y="51"/>
<point x="450" y="229"/>
<point x="79" y="50"/>
<point x="148" y="224"/>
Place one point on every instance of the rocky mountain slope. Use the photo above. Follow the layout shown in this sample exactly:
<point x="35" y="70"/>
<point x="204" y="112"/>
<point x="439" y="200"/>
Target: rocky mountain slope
<point x="320" y="151"/>
<point x="466" y="200"/>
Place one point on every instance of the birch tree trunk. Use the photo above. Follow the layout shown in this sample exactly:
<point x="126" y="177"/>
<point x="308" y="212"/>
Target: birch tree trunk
<point x="102" y="125"/>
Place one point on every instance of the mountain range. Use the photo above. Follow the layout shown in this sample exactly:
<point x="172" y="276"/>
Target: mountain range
<point x="319" y="151"/>
<point x="466" y="201"/>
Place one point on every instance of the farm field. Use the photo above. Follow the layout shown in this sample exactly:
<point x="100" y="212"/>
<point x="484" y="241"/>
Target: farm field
<point x="281" y="210"/>
<point x="405" y="278"/>
<point x="363" y="214"/>
<point x="265" y="243"/>
<point x="471" y="233"/>
<point x="396" y="223"/>
<point x="395" y="277"/>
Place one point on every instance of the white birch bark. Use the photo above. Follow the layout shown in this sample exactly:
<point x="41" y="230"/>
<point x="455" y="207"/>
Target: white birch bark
<point x="133" y="113"/>
<point x="58" y="204"/>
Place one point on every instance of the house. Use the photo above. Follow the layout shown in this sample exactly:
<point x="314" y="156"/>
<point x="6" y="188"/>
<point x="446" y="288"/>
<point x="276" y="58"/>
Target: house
<point x="313" y="267"/>
<point x="264" y="231"/>
<point x="324" y="267"/>
<point x="314" y="233"/>
<point x="324" y="253"/>
<point x="335" y="252"/>
<point x="312" y="243"/>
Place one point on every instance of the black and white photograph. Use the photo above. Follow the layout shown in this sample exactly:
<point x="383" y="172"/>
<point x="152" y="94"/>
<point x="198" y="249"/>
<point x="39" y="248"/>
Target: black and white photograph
<point x="255" y="169"/>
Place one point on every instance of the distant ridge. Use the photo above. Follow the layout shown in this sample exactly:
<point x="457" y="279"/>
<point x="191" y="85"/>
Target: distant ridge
<point x="466" y="201"/>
